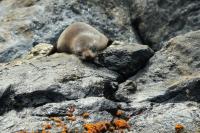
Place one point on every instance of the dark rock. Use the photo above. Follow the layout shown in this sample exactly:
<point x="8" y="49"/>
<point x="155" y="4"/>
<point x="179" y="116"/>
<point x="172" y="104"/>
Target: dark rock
<point x="124" y="90"/>
<point x="188" y="90"/>
<point x="157" y="20"/>
<point x="2" y="39"/>
<point x="125" y="59"/>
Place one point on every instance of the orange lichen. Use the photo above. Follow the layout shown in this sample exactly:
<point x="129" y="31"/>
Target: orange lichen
<point x="85" y="115"/>
<point x="22" y="131"/>
<point x="64" y="129"/>
<point x="44" y="130"/>
<point x="121" y="124"/>
<point x="47" y="126"/>
<point x="119" y="112"/>
<point x="179" y="128"/>
<point x="98" y="127"/>
<point x="72" y="118"/>
<point x="56" y="119"/>
<point x="59" y="124"/>
<point x="69" y="114"/>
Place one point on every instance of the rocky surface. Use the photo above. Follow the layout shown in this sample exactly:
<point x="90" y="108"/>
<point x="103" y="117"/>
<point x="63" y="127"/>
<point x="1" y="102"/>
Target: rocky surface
<point x="156" y="20"/>
<point x="170" y="82"/>
<point x="52" y="79"/>
<point x="124" y="58"/>
<point x="176" y="62"/>
<point x="146" y="92"/>
<point x="25" y="23"/>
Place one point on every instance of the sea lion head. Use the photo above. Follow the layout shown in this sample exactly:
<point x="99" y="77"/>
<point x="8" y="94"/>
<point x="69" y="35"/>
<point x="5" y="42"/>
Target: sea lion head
<point x="85" y="53"/>
<point x="88" y="55"/>
<point x="85" y="47"/>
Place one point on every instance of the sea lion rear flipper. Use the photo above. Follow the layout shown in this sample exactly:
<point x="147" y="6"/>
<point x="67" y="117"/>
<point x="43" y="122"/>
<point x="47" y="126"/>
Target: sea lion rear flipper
<point x="109" y="42"/>
<point x="52" y="51"/>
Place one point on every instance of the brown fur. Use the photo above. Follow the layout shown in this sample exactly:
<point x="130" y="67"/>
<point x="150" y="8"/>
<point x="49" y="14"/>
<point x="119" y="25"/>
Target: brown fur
<point x="81" y="39"/>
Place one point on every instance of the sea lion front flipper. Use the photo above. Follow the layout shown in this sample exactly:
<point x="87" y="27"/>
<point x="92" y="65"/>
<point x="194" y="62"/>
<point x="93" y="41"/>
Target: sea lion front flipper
<point x="52" y="51"/>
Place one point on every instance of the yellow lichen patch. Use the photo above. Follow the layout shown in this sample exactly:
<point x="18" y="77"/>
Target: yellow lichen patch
<point x="72" y="118"/>
<point x="116" y="125"/>
<point x="60" y="124"/>
<point x="64" y="129"/>
<point x="69" y="114"/>
<point x="47" y="126"/>
<point x="121" y="124"/>
<point x="22" y="131"/>
<point x="85" y="115"/>
<point x="119" y="112"/>
<point x="179" y="128"/>
<point x="56" y="119"/>
<point x="98" y="127"/>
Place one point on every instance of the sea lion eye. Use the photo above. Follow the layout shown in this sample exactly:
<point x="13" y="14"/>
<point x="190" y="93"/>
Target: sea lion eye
<point x="93" y="49"/>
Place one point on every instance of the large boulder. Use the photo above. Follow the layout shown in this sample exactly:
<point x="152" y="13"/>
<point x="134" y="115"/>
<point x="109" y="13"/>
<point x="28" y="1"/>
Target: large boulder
<point x="158" y="20"/>
<point x="168" y="87"/>
<point x="125" y="58"/>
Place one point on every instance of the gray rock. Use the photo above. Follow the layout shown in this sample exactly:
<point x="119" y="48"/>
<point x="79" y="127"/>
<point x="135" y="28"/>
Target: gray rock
<point x="41" y="87"/>
<point x="124" y="90"/>
<point x="188" y="90"/>
<point x="177" y="61"/>
<point x="157" y="20"/>
<point x="123" y="58"/>
<point x="170" y="85"/>
<point x="163" y="118"/>
<point x="162" y="94"/>
<point x="53" y="79"/>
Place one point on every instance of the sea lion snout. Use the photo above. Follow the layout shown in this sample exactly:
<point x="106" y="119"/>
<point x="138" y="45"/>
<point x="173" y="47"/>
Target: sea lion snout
<point x="88" y="55"/>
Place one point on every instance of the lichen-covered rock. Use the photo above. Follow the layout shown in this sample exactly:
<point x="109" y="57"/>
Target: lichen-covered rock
<point x="40" y="50"/>
<point x="163" y="118"/>
<point x="32" y="119"/>
<point x="158" y="20"/>
<point x="124" y="58"/>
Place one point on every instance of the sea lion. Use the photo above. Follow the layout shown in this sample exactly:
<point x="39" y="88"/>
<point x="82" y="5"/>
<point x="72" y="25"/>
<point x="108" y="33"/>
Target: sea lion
<point x="82" y="40"/>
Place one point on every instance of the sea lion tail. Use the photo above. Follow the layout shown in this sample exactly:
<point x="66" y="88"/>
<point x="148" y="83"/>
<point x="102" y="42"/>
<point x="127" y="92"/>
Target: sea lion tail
<point x="52" y="51"/>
